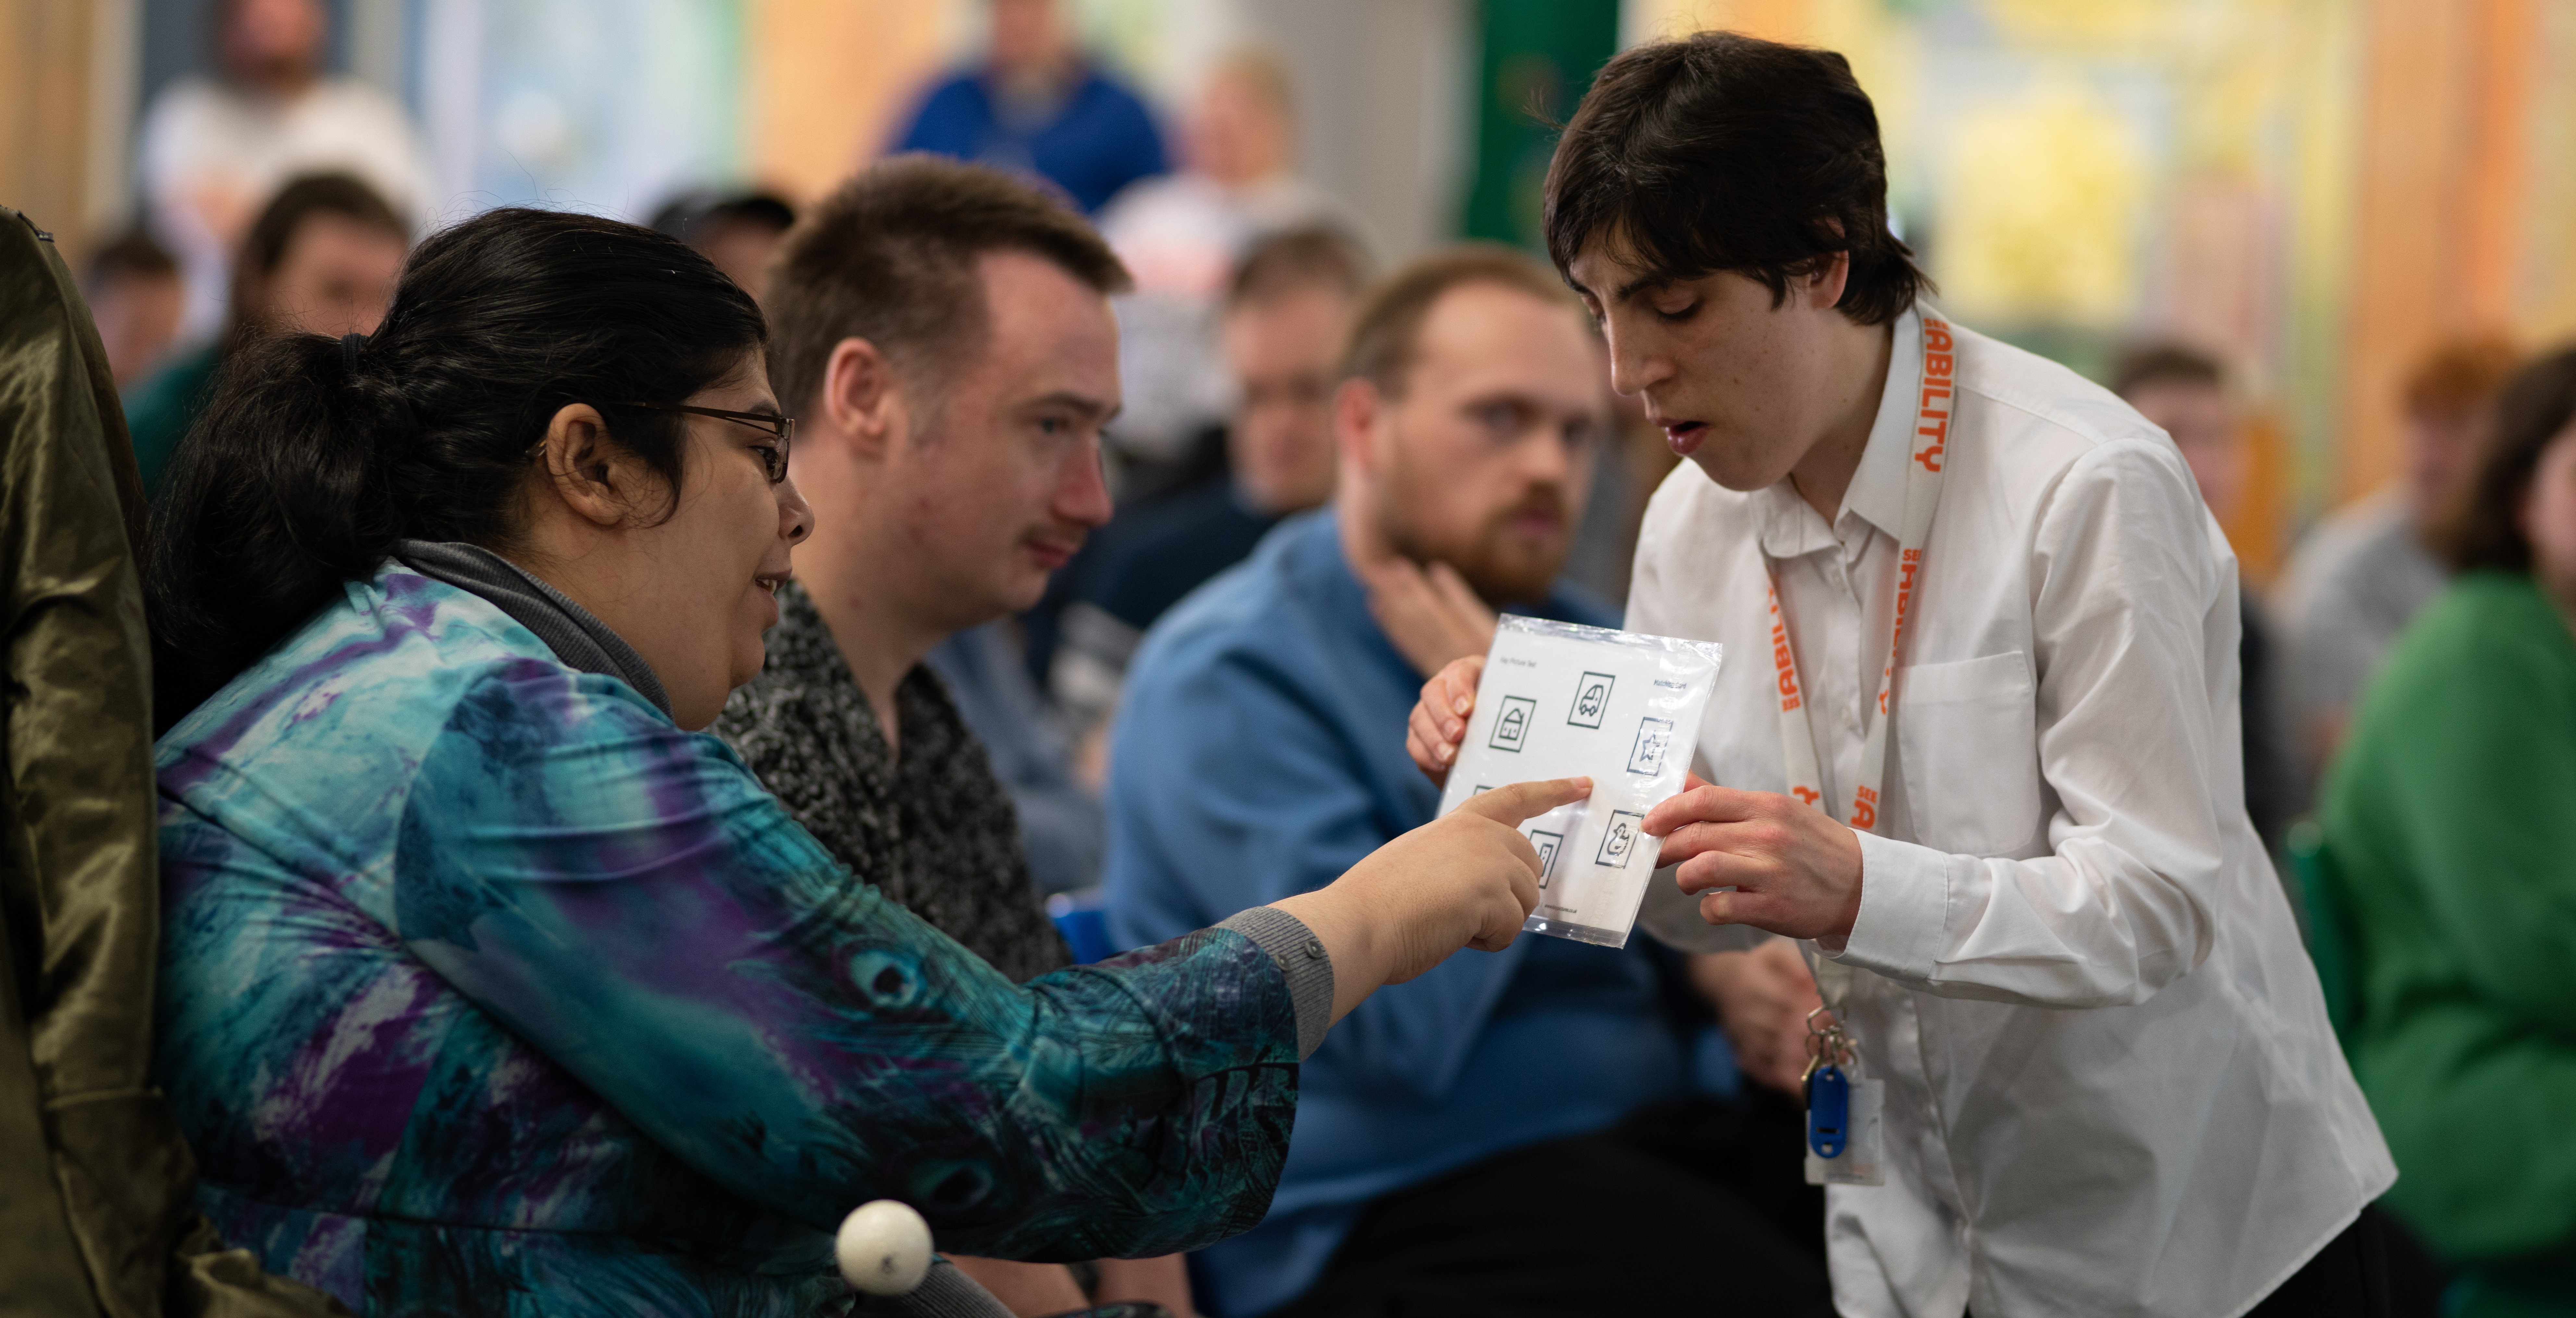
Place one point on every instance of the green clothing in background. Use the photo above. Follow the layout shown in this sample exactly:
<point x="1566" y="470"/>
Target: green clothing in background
<point x="162" y="409"/>
<point x="1534" y="59"/>
<point x="2450" y="822"/>
<point x="96" y="1214"/>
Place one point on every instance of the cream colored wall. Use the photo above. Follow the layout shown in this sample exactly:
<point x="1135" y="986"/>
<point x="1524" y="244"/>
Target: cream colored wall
<point x="2424" y="251"/>
<point x="830" y="80"/>
<point x="66" y="80"/>
<point x="2466" y="216"/>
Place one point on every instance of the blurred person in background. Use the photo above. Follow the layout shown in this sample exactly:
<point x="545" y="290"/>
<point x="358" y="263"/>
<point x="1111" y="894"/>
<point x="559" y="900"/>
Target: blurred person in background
<point x="1287" y="310"/>
<point x="134" y="294"/>
<point x="739" y="231"/>
<point x="322" y="258"/>
<point x="1461" y="1147"/>
<point x="213" y="150"/>
<point x="943" y="331"/>
<point x="1063" y="831"/>
<point x="1039" y="105"/>
<point x="2183" y="391"/>
<point x="2359" y="577"/>
<point x="1185" y="234"/>
<point x="2450" y="847"/>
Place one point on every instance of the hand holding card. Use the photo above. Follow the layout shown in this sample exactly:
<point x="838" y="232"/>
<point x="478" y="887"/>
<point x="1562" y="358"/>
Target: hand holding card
<point x="1560" y="700"/>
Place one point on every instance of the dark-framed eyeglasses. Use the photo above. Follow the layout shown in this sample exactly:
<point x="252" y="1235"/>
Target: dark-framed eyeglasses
<point x="772" y="460"/>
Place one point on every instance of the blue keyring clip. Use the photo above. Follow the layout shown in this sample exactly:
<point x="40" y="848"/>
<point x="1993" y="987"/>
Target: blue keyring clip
<point x="1828" y="1112"/>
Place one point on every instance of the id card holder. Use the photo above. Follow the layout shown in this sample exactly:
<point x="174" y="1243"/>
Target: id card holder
<point x="1843" y="1108"/>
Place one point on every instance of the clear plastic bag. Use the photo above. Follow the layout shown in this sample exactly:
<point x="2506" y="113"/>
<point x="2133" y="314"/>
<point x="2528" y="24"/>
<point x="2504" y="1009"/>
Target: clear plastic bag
<point x="1561" y="700"/>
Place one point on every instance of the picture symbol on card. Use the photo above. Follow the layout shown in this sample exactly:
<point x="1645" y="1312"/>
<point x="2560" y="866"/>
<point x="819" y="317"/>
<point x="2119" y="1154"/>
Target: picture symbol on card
<point x="1619" y="840"/>
<point x="1591" y="700"/>
<point x="1512" y="724"/>
<point x="1647" y="756"/>
<point x="1548" y="845"/>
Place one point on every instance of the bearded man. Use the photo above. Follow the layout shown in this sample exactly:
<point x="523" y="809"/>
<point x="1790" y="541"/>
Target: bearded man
<point x="1482" y="1138"/>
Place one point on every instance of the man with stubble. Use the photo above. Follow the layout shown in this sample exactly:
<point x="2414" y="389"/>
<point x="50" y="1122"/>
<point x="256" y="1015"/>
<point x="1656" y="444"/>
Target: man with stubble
<point x="952" y="457"/>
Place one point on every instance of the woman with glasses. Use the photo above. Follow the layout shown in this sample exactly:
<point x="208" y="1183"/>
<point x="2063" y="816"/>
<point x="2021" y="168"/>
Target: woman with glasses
<point x="491" y="985"/>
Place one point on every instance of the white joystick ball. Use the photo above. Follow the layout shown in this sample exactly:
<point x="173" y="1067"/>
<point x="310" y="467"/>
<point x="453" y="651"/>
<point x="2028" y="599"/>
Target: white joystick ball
<point x="883" y="1248"/>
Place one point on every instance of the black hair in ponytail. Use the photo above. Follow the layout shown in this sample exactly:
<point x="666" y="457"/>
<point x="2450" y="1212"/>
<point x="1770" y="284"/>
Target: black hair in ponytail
<point x="315" y="455"/>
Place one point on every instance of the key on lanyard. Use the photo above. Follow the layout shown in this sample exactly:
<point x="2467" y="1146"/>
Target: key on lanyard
<point x="1827" y="1088"/>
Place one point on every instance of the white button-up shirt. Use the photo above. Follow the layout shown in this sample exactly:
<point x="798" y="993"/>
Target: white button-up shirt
<point x="2111" y="1086"/>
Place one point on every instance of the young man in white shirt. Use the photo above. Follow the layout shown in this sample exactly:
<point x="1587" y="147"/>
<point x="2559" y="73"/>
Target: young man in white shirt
<point x="2108" y="1082"/>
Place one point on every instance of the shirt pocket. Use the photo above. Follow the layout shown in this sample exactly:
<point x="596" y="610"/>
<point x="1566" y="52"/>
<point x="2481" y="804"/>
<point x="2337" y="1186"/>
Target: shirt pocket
<point x="1965" y="732"/>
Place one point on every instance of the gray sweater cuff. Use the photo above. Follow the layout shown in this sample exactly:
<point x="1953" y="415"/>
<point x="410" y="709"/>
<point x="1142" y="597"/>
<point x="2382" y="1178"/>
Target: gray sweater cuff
<point x="1302" y="958"/>
<point x="944" y="1292"/>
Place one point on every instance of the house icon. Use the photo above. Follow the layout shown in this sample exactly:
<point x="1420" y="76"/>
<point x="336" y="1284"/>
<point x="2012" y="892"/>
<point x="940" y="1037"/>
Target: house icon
<point x="1512" y="723"/>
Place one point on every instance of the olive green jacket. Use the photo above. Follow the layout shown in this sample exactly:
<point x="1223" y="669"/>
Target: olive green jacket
<point x="96" y="1187"/>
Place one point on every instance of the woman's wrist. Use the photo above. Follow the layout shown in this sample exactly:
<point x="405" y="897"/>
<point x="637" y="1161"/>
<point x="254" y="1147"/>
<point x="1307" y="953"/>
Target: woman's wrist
<point x="1349" y="938"/>
<point x="1303" y="964"/>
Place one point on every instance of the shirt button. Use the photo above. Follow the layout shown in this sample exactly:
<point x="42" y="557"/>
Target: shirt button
<point x="1315" y="948"/>
<point x="1851" y="718"/>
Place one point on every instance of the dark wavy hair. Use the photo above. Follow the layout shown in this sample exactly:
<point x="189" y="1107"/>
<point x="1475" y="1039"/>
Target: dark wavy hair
<point x="1726" y="152"/>
<point x="2483" y="529"/>
<point x="315" y="456"/>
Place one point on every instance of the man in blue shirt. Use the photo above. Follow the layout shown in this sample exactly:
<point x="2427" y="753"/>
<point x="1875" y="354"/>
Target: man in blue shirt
<point x="1037" y="106"/>
<point x="1259" y="749"/>
<point x="1286" y="312"/>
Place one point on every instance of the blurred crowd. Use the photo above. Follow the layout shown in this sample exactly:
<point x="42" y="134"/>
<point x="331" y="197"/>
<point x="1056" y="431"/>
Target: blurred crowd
<point x="1269" y="564"/>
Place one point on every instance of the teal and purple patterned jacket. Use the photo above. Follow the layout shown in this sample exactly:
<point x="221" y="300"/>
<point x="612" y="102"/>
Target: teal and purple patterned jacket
<point x="486" y="989"/>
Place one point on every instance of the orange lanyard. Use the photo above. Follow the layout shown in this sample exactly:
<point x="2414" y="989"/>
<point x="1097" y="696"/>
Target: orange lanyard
<point x="1933" y="397"/>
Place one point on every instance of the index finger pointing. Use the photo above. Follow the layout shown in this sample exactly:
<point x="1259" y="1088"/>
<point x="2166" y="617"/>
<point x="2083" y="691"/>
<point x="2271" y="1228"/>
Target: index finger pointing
<point x="1519" y="801"/>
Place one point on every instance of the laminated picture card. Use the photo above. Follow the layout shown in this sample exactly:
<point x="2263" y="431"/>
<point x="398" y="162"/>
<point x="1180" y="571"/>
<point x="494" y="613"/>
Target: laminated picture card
<point x="1560" y="700"/>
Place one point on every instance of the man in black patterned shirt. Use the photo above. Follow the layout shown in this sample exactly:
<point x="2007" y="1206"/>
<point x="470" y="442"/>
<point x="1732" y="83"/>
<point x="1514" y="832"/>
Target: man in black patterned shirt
<point x="943" y="334"/>
<point x="952" y="457"/>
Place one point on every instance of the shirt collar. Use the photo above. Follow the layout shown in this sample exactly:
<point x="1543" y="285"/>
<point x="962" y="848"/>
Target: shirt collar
<point x="1791" y="528"/>
<point x="574" y="633"/>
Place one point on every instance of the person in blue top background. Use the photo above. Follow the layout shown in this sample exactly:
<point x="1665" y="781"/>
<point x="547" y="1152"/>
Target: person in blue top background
<point x="1286" y="312"/>
<point x="1459" y="1145"/>
<point x="1038" y="105"/>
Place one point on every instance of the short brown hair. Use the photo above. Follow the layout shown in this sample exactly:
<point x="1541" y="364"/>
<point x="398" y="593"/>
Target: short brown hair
<point x="2460" y="375"/>
<point x="2165" y="363"/>
<point x="2483" y="530"/>
<point x="1388" y="326"/>
<point x="1309" y="256"/>
<point x="890" y="257"/>
<point x="133" y="255"/>
<point x="1727" y="152"/>
<point x="264" y="246"/>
